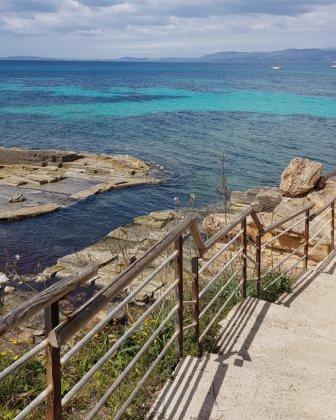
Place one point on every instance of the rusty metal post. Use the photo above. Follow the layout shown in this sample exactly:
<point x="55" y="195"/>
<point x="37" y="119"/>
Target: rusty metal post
<point x="179" y="293"/>
<point x="53" y="365"/>
<point x="258" y="261"/>
<point x="243" y="226"/>
<point x="306" y="238"/>
<point x="195" y="298"/>
<point x="332" y="235"/>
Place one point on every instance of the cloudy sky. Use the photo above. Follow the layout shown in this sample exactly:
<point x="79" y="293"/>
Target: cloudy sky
<point x="161" y="28"/>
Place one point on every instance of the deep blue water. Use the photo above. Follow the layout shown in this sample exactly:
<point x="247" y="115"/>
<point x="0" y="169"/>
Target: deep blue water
<point x="179" y="115"/>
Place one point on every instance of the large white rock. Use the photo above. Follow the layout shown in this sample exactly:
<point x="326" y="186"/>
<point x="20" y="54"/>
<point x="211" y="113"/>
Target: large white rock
<point x="300" y="177"/>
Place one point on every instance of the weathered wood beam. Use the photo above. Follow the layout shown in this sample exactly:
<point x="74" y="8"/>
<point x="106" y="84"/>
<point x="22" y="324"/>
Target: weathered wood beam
<point x="81" y="316"/>
<point x="257" y="221"/>
<point x="195" y="233"/>
<point x="45" y="298"/>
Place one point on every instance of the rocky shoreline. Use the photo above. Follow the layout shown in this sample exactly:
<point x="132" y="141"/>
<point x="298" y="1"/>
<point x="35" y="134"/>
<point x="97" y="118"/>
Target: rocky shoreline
<point x="124" y="245"/>
<point x="35" y="182"/>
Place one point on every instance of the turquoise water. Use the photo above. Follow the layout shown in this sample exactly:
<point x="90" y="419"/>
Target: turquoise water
<point x="179" y="115"/>
<point x="160" y="100"/>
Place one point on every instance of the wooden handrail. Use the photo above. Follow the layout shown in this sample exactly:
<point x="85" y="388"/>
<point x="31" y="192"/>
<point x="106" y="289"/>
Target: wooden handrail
<point x="201" y="247"/>
<point x="64" y="331"/>
<point x="59" y="334"/>
<point x="319" y="211"/>
<point x="82" y="315"/>
<point x="286" y="219"/>
<point x="89" y="309"/>
<point x="43" y="299"/>
<point x="257" y="221"/>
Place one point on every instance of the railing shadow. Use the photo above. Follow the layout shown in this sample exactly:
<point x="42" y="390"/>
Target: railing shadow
<point x="166" y="406"/>
<point x="178" y="397"/>
<point x="237" y="326"/>
<point x="298" y="288"/>
<point x="327" y="266"/>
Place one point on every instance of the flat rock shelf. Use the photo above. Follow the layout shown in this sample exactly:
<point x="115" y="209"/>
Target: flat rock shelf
<point x="35" y="182"/>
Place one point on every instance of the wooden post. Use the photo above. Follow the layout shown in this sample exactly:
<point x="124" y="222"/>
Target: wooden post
<point x="195" y="298"/>
<point x="332" y="236"/>
<point x="243" y="226"/>
<point x="53" y="365"/>
<point x="258" y="261"/>
<point x="179" y="293"/>
<point x="306" y="238"/>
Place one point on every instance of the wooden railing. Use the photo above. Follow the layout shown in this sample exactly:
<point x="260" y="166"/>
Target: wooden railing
<point x="48" y="301"/>
<point x="263" y="272"/>
<point x="228" y="274"/>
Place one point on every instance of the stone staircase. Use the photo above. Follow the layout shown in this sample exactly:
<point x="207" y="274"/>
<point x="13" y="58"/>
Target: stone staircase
<point x="275" y="360"/>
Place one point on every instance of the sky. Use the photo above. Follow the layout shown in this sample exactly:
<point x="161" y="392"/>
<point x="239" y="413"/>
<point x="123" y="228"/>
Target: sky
<point x="162" y="28"/>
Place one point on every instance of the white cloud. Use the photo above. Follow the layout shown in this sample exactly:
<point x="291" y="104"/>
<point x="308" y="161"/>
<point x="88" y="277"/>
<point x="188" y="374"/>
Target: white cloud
<point x="110" y="28"/>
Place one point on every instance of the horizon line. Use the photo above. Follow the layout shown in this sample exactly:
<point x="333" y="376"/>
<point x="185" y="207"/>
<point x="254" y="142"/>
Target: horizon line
<point x="25" y="57"/>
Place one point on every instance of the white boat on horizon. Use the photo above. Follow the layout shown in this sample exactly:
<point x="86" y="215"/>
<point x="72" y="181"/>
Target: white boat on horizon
<point x="277" y="67"/>
<point x="333" y="65"/>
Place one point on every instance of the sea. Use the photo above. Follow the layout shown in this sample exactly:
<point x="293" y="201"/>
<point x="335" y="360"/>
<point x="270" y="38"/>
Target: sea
<point x="179" y="116"/>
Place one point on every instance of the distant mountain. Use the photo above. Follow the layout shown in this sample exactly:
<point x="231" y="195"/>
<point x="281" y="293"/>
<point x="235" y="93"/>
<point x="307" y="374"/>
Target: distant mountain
<point x="25" y="58"/>
<point x="308" y="55"/>
<point x="311" y="55"/>
<point x="137" y="59"/>
<point x="284" y="56"/>
<point x="177" y="59"/>
<point x="32" y="58"/>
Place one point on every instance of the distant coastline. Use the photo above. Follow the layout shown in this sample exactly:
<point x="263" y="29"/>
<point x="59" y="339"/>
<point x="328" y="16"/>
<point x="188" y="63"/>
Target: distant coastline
<point x="319" y="55"/>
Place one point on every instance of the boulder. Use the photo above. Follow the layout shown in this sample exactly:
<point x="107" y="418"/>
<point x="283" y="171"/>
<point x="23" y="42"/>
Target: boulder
<point x="300" y="177"/>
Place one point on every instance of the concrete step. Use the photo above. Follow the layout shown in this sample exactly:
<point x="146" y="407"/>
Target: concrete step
<point x="309" y="282"/>
<point x="209" y="388"/>
<point x="200" y="390"/>
<point x="312" y="302"/>
<point x="276" y="360"/>
<point x="270" y="337"/>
